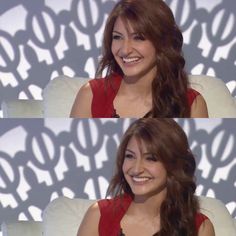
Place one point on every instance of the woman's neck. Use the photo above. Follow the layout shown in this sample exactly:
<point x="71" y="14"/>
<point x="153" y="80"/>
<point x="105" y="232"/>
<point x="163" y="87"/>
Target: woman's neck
<point x="137" y="86"/>
<point x="149" y="206"/>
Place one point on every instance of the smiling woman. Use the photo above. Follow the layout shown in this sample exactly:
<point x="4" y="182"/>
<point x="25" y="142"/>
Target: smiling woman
<point x="144" y="173"/>
<point x="135" y="55"/>
<point x="153" y="187"/>
<point x="142" y="54"/>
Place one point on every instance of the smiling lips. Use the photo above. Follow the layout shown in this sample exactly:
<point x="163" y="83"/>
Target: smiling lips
<point x="130" y="59"/>
<point x="140" y="180"/>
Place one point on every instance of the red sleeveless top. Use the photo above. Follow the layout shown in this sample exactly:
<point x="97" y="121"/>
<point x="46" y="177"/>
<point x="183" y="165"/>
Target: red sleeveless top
<point x="113" y="210"/>
<point x="105" y="93"/>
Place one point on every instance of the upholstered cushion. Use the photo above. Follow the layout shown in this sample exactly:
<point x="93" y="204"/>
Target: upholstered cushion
<point x="219" y="101"/>
<point x="22" y="108"/>
<point x="60" y="94"/>
<point x="63" y="216"/>
<point x="20" y="228"/>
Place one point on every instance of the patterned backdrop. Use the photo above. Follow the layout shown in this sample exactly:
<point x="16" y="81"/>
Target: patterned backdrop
<point x="42" y="39"/>
<point x="43" y="159"/>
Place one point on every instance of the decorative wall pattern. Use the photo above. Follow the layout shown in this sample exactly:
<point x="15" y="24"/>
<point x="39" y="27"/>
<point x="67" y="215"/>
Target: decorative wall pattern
<point x="42" y="39"/>
<point x="43" y="159"/>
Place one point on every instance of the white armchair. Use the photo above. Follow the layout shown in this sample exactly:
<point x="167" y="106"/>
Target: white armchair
<point x="63" y="216"/>
<point x="59" y="95"/>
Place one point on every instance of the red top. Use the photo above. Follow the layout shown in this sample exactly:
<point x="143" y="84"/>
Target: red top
<point x="105" y="93"/>
<point x="113" y="210"/>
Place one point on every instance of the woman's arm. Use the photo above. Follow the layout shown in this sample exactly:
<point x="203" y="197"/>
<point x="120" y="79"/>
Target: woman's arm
<point x="199" y="108"/>
<point x="82" y="104"/>
<point x="89" y="224"/>
<point x="206" y="229"/>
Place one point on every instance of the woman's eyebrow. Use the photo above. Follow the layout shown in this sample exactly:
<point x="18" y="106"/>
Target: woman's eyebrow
<point x="128" y="150"/>
<point x="116" y="32"/>
<point x="148" y="154"/>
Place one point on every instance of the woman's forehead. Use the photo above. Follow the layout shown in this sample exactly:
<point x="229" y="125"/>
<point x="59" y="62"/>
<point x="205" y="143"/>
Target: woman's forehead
<point x="122" y="23"/>
<point x="137" y="141"/>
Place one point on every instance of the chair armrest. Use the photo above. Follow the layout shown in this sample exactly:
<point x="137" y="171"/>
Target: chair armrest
<point x="22" y="108"/>
<point x="22" y="228"/>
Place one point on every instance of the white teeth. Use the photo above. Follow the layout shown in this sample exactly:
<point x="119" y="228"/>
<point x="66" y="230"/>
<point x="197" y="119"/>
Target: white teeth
<point x="128" y="60"/>
<point x="140" y="179"/>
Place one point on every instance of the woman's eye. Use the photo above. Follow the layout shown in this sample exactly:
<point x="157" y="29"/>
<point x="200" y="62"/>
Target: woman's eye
<point x="139" y="37"/>
<point x="128" y="156"/>
<point x="116" y="37"/>
<point x="151" y="158"/>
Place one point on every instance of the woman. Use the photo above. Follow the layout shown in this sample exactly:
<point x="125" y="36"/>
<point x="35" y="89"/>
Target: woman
<point x="153" y="187"/>
<point x="142" y="54"/>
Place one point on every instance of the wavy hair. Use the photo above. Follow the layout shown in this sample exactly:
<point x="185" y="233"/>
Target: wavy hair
<point x="166" y="139"/>
<point x="154" y="20"/>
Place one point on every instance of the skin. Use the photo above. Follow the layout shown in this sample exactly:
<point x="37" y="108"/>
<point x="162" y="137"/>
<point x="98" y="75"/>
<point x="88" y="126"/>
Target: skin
<point x="199" y="108"/>
<point x="144" y="173"/>
<point x="133" y="223"/>
<point x="135" y="89"/>
<point x="206" y="229"/>
<point x="89" y="224"/>
<point x="82" y="104"/>
<point x="135" y="55"/>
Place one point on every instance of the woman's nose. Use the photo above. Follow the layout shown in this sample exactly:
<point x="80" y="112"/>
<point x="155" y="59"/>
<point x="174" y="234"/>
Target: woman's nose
<point x="137" y="167"/>
<point x="126" y="47"/>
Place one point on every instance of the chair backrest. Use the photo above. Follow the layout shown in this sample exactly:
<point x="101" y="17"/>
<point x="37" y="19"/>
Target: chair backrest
<point x="59" y="95"/>
<point x="220" y="102"/>
<point x="216" y="211"/>
<point x="63" y="216"/>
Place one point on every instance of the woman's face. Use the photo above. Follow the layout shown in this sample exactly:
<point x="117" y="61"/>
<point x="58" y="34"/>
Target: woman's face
<point x="135" y="55"/>
<point x="145" y="174"/>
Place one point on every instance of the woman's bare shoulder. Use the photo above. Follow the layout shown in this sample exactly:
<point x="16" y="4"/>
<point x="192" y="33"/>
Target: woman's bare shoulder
<point x="89" y="224"/>
<point x="82" y="104"/>
<point x="93" y="210"/>
<point x="206" y="229"/>
<point x="199" y="108"/>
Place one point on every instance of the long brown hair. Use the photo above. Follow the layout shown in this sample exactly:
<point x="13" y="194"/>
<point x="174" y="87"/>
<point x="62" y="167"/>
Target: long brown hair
<point x="154" y="20"/>
<point x="166" y="139"/>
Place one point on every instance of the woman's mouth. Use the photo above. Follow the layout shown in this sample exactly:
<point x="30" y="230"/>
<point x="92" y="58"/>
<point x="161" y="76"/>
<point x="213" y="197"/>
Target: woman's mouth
<point x="130" y="60"/>
<point x="140" y="180"/>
